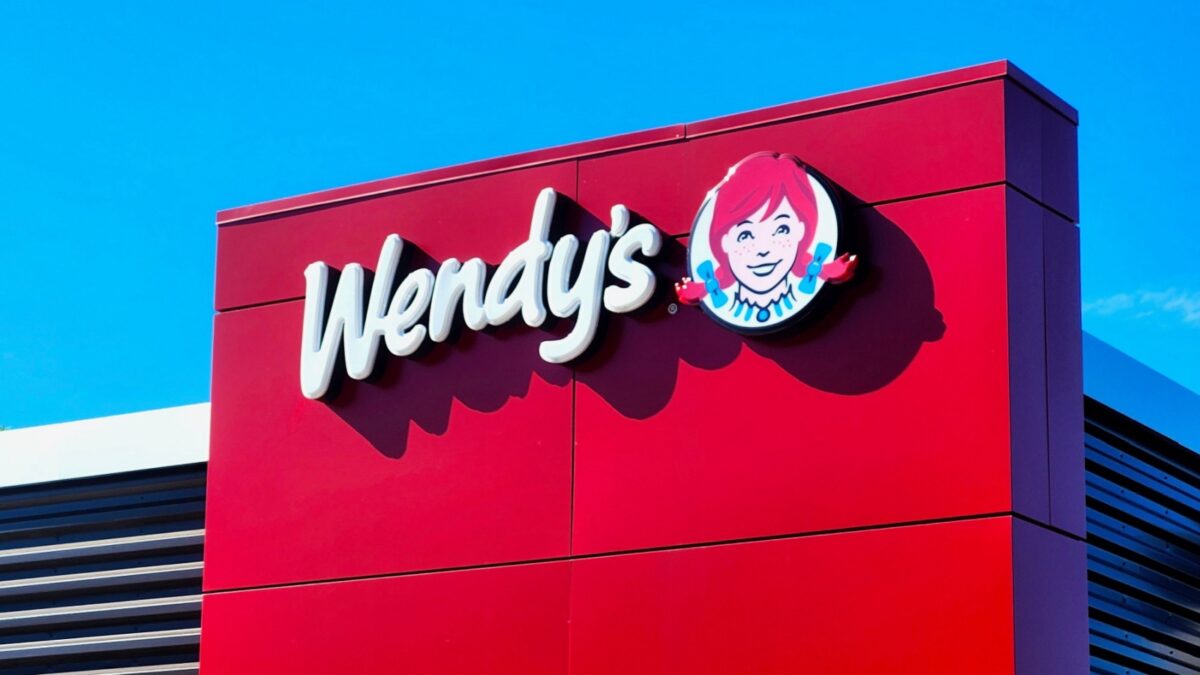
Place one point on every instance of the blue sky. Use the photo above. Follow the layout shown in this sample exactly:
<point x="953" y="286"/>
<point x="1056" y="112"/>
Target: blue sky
<point x="126" y="126"/>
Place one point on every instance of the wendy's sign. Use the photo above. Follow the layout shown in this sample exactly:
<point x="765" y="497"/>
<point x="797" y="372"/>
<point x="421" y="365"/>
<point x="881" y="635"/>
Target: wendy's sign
<point x="764" y="244"/>
<point x="532" y="279"/>
<point x="762" y="247"/>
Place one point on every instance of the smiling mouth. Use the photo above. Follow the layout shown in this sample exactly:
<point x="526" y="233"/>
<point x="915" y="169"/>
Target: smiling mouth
<point x="763" y="270"/>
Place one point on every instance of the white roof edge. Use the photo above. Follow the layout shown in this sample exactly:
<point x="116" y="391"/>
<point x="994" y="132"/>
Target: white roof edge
<point x="1141" y="393"/>
<point x="105" y="445"/>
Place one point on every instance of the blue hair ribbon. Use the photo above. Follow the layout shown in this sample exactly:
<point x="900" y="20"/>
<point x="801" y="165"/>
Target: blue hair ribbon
<point x="706" y="274"/>
<point x="811" y="273"/>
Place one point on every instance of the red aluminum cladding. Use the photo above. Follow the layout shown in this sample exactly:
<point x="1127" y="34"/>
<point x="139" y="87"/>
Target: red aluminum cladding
<point x="941" y="384"/>
<point x="843" y="426"/>
<point x="391" y="478"/>
<point x="499" y="620"/>
<point x="919" y="599"/>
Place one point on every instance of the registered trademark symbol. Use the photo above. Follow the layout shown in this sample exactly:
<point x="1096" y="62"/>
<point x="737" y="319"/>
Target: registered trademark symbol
<point x="672" y="308"/>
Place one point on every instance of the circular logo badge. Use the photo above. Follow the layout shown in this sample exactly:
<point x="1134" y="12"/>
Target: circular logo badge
<point x="764" y="244"/>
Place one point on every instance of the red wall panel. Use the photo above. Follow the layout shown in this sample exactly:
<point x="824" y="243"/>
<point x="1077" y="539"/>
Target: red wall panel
<point x="929" y="598"/>
<point x="486" y="216"/>
<point x="501" y="620"/>
<point x="436" y="465"/>
<point x="919" y="599"/>
<point x="871" y="153"/>
<point x="893" y="408"/>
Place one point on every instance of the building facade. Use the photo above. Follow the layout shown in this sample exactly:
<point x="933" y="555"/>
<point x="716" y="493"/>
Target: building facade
<point x="447" y="437"/>
<point x="794" y="390"/>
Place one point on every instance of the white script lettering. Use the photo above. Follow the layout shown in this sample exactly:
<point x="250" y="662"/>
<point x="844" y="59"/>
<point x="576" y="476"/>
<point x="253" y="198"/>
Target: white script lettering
<point x="522" y="284"/>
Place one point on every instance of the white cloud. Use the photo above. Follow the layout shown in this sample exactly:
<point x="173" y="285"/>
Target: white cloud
<point x="1170" y="303"/>
<point x="1110" y="305"/>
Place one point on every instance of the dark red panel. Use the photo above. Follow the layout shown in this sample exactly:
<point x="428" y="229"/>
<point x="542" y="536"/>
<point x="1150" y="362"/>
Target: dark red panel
<point x="1050" y="601"/>
<point x="1041" y="149"/>
<point x="655" y="183"/>
<point x="1064" y="375"/>
<point x="904" y="148"/>
<point x="264" y="261"/>
<point x="891" y="406"/>
<point x="434" y="465"/>
<point x="1060" y="175"/>
<point x="921" y="599"/>
<point x="502" y="620"/>
<point x="1027" y="363"/>
<point x="1039" y="90"/>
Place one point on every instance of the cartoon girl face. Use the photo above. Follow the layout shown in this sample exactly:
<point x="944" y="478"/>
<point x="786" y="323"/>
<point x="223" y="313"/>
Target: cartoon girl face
<point x="763" y="244"/>
<point x="764" y="219"/>
<point x="762" y="249"/>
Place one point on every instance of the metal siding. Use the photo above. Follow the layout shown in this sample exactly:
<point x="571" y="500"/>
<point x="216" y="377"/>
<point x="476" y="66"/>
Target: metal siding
<point x="102" y="574"/>
<point x="1143" y="516"/>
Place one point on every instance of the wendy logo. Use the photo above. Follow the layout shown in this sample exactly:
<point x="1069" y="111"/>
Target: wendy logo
<point x="764" y="244"/>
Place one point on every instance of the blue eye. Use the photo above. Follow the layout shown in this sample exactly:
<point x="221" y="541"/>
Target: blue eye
<point x="783" y="229"/>
<point x="744" y="235"/>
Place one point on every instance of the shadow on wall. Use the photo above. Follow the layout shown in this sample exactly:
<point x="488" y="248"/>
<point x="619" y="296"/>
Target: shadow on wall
<point x="860" y="338"/>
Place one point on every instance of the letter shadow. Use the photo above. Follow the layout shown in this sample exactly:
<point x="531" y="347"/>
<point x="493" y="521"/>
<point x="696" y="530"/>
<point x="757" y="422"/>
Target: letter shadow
<point x="856" y="338"/>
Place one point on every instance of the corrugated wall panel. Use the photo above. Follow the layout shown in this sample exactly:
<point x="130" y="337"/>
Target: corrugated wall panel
<point x="1143" y="501"/>
<point x="102" y="574"/>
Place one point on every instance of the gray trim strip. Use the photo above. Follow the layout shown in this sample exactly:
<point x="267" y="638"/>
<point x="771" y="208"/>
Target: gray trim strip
<point x="105" y="579"/>
<point x="51" y="616"/>
<point x="171" y="669"/>
<point x="95" y="548"/>
<point x="101" y="643"/>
